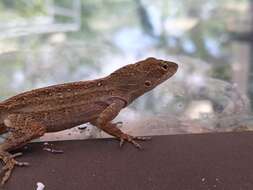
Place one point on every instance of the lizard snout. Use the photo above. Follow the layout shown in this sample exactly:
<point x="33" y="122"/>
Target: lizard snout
<point x="173" y="67"/>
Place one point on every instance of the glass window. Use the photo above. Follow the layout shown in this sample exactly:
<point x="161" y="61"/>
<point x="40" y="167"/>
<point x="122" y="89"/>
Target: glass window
<point x="51" y="42"/>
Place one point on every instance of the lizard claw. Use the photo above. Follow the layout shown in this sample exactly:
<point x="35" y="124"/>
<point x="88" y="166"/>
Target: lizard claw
<point x="132" y="139"/>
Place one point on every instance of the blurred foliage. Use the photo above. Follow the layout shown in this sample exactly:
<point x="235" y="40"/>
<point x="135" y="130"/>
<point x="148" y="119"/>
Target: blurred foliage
<point x="23" y="8"/>
<point x="51" y="62"/>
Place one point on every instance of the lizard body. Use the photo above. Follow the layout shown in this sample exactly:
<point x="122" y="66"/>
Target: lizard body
<point x="31" y="114"/>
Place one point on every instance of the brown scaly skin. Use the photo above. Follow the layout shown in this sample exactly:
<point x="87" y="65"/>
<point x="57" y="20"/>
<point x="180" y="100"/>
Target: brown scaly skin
<point x="31" y="114"/>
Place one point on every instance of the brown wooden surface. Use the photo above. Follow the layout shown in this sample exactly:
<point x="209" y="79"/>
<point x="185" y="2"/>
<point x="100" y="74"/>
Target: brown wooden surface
<point x="180" y="162"/>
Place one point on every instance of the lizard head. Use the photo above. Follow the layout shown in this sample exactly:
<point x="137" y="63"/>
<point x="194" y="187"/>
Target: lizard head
<point x="136" y="79"/>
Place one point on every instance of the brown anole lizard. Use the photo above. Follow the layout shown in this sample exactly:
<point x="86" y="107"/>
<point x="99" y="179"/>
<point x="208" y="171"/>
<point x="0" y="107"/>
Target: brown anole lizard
<point x="31" y="114"/>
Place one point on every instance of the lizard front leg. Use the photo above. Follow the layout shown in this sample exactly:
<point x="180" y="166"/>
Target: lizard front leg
<point x="104" y="122"/>
<point x="23" y="128"/>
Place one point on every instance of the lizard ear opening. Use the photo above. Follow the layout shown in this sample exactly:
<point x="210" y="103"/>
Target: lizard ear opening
<point x="147" y="83"/>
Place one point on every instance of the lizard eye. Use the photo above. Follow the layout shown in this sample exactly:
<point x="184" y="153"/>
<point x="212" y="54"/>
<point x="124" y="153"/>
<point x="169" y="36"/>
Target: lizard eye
<point x="165" y="66"/>
<point x="147" y="83"/>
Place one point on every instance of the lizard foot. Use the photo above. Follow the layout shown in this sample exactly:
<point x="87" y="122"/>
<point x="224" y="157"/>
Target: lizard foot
<point x="10" y="163"/>
<point x="50" y="148"/>
<point x="132" y="140"/>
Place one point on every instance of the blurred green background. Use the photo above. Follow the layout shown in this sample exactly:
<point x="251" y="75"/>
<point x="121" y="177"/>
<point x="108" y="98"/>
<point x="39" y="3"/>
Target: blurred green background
<point x="44" y="42"/>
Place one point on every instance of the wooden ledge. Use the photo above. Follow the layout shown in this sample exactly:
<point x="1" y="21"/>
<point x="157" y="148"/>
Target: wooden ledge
<point x="179" y="162"/>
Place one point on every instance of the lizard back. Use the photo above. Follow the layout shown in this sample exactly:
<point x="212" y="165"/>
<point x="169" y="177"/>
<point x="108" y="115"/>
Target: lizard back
<point x="60" y="106"/>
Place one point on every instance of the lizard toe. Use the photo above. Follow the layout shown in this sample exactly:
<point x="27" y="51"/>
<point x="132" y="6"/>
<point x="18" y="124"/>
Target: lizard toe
<point x="50" y="148"/>
<point x="129" y="139"/>
<point x="10" y="163"/>
<point x="137" y="145"/>
<point x="142" y="138"/>
<point x="7" y="170"/>
<point x="121" y="142"/>
<point x="119" y="124"/>
<point x="22" y="163"/>
<point x="16" y="154"/>
<point x="5" y="177"/>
